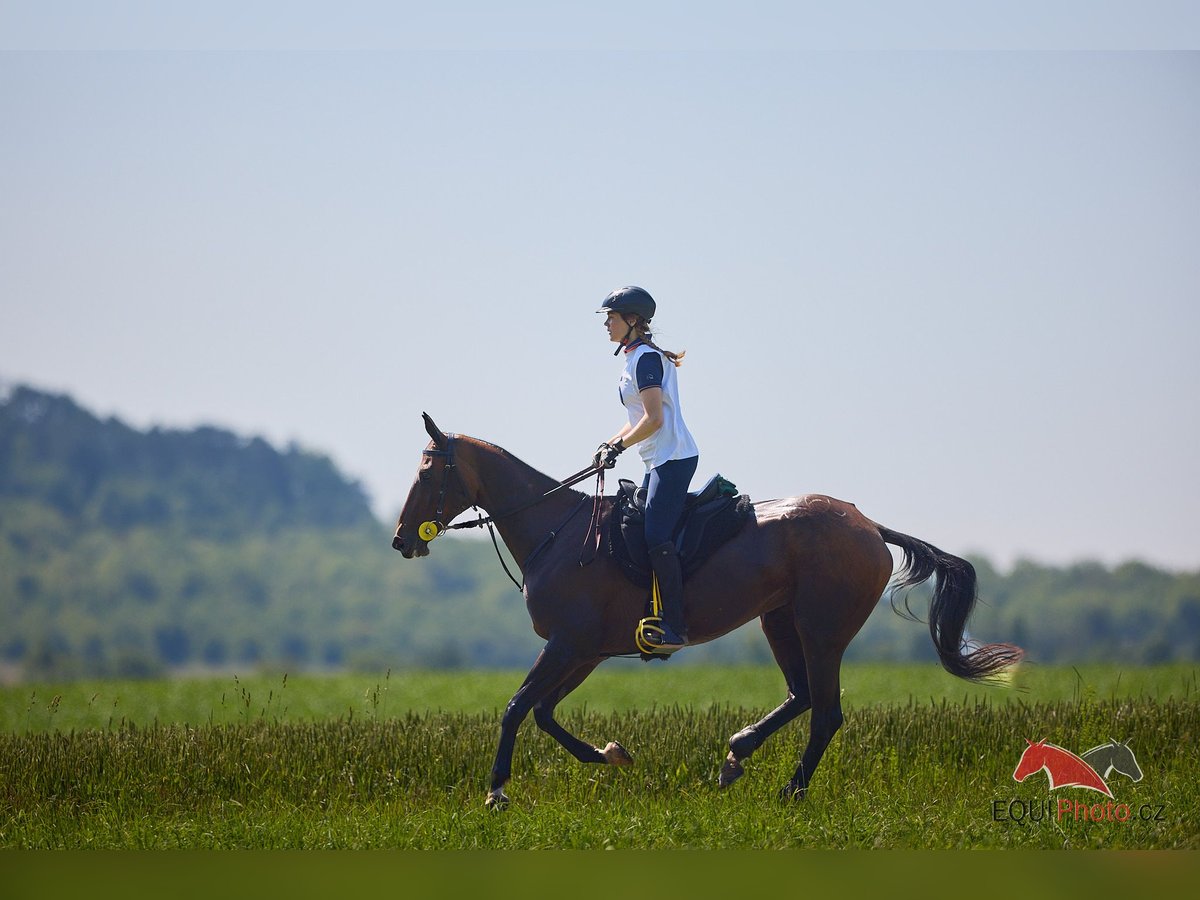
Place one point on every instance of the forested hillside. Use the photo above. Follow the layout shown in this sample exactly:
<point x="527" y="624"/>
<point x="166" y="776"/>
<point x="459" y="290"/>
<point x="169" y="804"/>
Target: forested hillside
<point x="1086" y="612"/>
<point x="133" y="553"/>
<point x="206" y="482"/>
<point x="128" y="553"/>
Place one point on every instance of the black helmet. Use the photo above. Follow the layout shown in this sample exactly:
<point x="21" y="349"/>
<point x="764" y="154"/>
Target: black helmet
<point x="629" y="299"/>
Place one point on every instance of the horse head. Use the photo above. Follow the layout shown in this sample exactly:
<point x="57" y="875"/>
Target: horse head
<point x="437" y="495"/>
<point x="1063" y="768"/>
<point x="1032" y="760"/>
<point x="1124" y="761"/>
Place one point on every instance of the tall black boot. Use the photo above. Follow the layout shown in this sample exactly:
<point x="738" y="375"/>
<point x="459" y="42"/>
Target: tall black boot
<point x="664" y="560"/>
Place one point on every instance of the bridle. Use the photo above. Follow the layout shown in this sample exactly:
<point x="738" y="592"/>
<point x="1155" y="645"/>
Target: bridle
<point x="429" y="530"/>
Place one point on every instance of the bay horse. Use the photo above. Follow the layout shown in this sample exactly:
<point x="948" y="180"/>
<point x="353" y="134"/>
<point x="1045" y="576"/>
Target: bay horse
<point x="810" y="568"/>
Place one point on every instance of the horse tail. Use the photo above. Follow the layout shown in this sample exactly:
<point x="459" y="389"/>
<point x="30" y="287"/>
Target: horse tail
<point x="953" y="599"/>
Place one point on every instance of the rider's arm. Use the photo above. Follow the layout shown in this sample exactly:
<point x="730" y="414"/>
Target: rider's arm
<point x="649" y="377"/>
<point x="650" y="421"/>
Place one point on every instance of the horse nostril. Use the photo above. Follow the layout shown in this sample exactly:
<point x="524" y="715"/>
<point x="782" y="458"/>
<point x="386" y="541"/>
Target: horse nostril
<point x="398" y="543"/>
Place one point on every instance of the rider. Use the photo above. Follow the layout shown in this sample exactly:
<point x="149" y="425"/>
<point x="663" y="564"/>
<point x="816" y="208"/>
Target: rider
<point x="649" y="392"/>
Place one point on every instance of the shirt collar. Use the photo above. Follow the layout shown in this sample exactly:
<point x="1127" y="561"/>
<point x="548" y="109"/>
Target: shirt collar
<point x="637" y="342"/>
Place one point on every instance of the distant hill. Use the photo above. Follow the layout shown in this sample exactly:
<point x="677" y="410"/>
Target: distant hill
<point x="136" y="553"/>
<point x="204" y="481"/>
<point x="133" y="553"/>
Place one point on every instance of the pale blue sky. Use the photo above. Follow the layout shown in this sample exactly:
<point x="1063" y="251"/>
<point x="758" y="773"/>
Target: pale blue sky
<point x="959" y="289"/>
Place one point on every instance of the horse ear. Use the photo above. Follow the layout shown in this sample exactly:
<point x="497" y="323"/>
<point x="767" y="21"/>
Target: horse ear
<point x="434" y="432"/>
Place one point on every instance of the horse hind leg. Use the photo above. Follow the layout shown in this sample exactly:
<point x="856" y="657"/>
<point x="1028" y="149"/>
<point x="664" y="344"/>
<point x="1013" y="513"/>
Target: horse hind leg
<point x="824" y="677"/>
<point x="543" y="714"/>
<point x="841" y="591"/>
<point x="780" y="630"/>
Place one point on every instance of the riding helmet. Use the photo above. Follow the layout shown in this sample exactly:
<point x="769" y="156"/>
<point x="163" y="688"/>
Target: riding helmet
<point x="631" y="299"/>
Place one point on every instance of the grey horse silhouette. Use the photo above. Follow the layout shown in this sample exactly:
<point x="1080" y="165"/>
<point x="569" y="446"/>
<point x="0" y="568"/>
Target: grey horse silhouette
<point x="1113" y="757"/>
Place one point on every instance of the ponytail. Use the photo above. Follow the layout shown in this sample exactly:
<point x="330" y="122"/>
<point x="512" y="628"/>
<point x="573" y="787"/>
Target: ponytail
<point x="647" y="335"/>
<point x="675" y="358"/>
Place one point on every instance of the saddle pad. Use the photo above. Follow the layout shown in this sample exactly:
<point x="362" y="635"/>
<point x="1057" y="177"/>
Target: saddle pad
<point x="704" y="529"/>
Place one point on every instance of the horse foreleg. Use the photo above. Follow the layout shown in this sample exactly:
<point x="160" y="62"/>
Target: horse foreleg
<point x="543" y="714"/>
<point x="780" y="630"/>
<point x="553" y="665"/>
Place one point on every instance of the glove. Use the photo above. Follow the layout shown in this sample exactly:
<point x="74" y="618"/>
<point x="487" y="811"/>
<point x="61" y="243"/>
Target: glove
<point x="606" y="454"/>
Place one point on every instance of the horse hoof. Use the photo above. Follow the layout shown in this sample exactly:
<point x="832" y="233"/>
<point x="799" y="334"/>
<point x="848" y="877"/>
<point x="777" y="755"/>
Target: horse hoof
<point x="496" y="800"/>
<point x="792" y="792"/>
<point x="616" y="755"/>
<point x="731" y="771"/>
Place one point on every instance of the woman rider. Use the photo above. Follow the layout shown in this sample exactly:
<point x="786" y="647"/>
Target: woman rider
<point x="650" y="395"/>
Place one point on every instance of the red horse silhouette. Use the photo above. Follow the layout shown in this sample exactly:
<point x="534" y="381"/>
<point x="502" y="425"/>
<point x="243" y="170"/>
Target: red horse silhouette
<point x="1063" y="768"/>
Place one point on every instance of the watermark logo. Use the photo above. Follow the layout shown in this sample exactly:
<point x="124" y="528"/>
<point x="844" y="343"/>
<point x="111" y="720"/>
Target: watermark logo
<point x="1062" y="767"/>
<point x="1088" y="770"/>
<point x="1115" y="756"/>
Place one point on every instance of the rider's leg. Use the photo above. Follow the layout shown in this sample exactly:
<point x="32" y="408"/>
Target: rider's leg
<point x="666" y="492"/>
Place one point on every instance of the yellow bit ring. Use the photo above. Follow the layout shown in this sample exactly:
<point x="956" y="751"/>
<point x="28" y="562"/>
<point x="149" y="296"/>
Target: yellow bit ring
<point x="428" y="531"/>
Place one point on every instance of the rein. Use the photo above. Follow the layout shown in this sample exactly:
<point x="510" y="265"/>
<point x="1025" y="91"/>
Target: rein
<point x="430" y="530"/>
<point x="570" y="481"/>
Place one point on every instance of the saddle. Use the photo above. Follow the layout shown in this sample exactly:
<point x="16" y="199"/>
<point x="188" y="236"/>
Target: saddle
<point x="711" y="516"/>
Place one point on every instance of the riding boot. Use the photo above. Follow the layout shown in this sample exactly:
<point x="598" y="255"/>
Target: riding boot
<point x="664" y="560"/>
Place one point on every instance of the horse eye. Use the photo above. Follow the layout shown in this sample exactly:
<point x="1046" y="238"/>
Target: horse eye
<point x="424" y="476"/>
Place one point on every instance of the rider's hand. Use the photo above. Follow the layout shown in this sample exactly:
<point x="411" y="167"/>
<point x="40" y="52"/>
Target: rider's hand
<point x="606" y="454"/>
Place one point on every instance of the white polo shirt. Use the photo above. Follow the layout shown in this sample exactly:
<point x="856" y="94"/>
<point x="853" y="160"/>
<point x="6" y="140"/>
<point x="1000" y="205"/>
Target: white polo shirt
<point x="646" y="367"/>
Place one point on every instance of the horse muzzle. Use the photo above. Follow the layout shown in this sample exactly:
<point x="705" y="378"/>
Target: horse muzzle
<point x="408" y="548"/>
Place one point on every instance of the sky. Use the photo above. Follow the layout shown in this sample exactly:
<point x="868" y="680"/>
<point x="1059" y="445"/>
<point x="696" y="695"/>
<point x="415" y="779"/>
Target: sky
<point x="957" y="287"/>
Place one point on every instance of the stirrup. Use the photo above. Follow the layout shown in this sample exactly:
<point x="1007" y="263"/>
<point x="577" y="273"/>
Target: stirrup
<point x="650" y="636"/>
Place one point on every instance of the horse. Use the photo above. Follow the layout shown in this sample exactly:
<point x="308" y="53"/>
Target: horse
<point x="810" y="569"/>
<point x="1114" y="756"/>
<point x="1063" y="768"/>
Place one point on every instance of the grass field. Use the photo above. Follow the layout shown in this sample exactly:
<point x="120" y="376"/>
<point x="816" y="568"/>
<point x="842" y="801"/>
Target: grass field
<point x="616" y="687"/>
<point x="401" y="761"/>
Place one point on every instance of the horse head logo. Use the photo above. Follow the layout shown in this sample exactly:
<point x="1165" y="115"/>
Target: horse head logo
<point x="1063" y="768"/>
<point x="1115" y="756"/>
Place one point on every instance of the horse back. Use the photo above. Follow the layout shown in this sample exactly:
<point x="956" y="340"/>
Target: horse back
<point x="816" y="553"/>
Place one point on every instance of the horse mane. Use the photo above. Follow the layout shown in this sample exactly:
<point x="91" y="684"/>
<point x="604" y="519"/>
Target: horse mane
<point x="513" y="458"/>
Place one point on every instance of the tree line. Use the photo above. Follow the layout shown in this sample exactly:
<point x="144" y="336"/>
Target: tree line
<point x="127" y="553"/>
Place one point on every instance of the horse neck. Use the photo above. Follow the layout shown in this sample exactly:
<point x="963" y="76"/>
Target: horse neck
<point x="506" y="483"/>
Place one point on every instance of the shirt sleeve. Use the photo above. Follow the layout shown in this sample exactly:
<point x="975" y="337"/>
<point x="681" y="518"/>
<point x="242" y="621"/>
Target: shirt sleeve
<point x="649" y="372"/>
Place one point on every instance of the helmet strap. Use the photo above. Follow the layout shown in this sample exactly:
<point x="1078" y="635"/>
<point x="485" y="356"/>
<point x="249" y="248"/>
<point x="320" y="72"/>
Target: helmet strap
<point x="624" y="340"/>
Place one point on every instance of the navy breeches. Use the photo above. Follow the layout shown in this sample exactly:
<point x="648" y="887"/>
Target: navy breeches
<point x="666" y="490"/>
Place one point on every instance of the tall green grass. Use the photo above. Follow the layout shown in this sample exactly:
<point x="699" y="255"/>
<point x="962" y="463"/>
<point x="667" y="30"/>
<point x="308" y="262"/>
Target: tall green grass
<point x="402" y="760"/>
<point x="618" y="686"/>
<point x="922" y="776"/>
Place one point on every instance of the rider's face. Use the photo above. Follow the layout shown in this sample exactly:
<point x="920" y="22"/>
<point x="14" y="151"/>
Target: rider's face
<point x="617" y="327"/>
